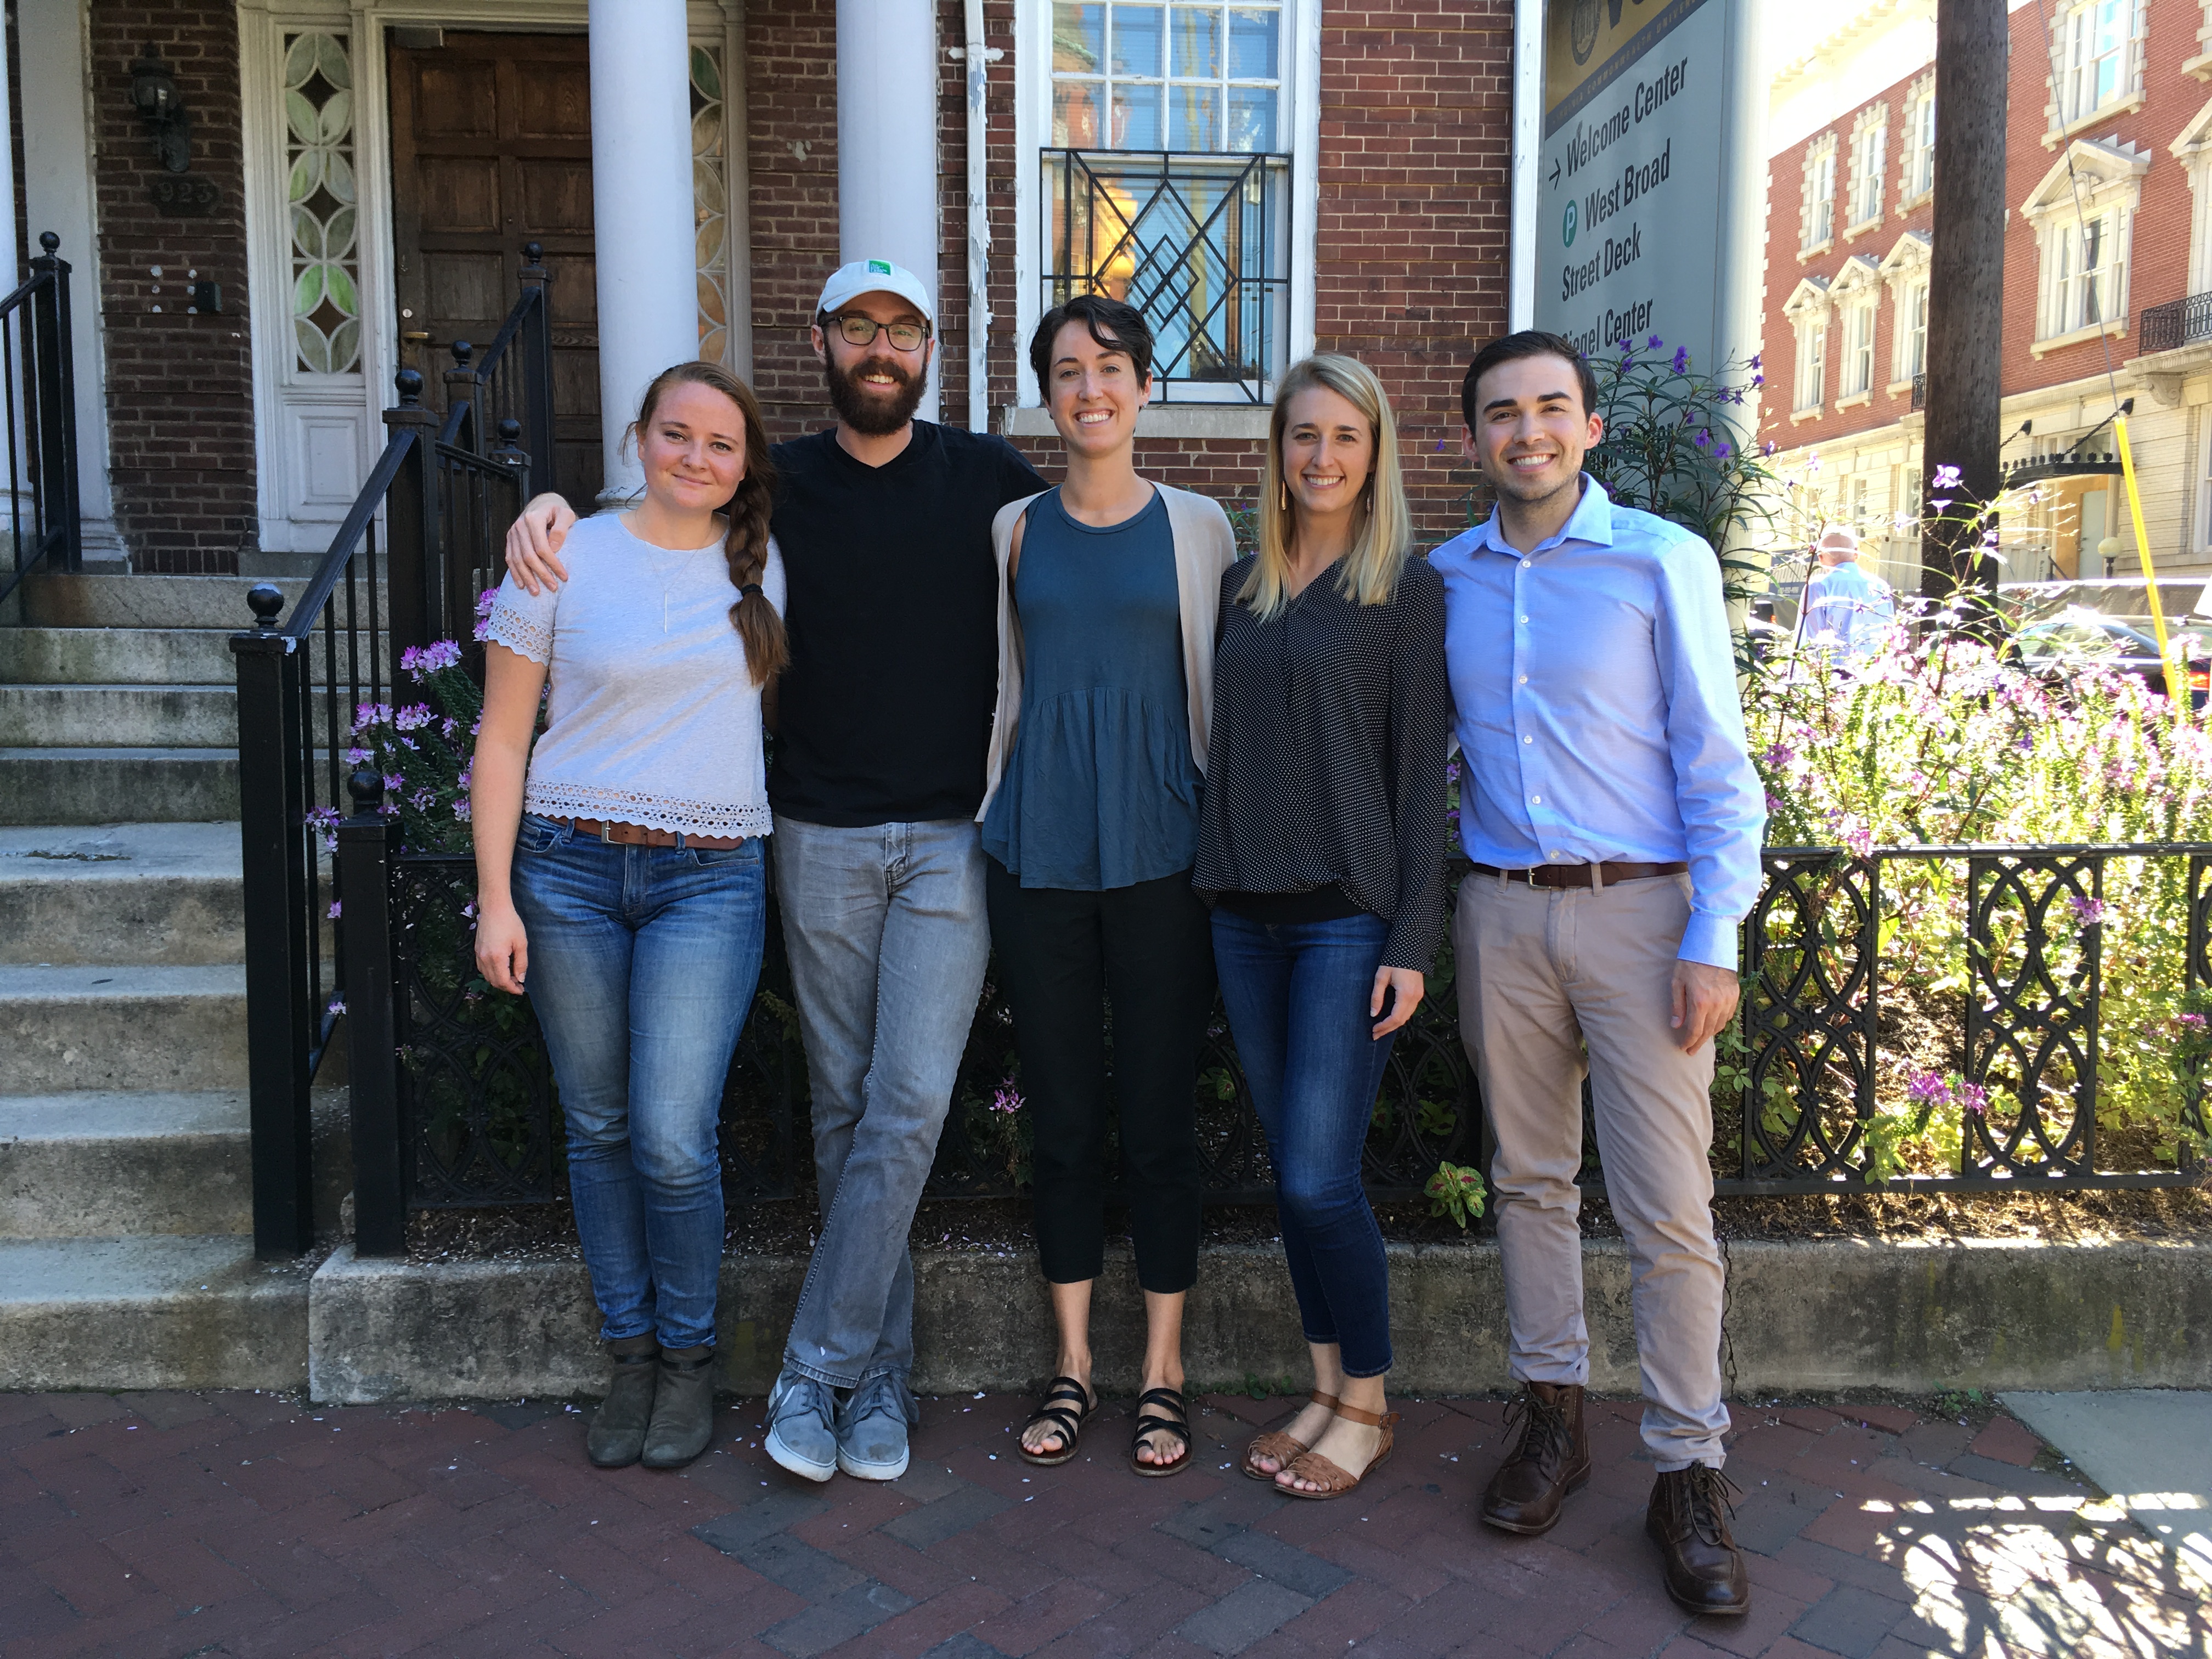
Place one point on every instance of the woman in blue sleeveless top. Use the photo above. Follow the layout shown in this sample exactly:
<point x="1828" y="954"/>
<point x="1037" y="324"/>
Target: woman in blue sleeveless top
<point x="1109" y="593"/>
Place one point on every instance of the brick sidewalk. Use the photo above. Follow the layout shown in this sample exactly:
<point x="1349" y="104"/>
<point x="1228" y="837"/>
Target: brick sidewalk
<point x="243" y="1524"/>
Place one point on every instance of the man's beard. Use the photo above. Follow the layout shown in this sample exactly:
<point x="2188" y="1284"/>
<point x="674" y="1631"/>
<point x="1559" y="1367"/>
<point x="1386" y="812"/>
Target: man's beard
<point x="868" y="412"/>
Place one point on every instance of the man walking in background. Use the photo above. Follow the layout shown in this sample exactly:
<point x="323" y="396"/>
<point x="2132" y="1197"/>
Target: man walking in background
<point x="1614" y="823"/>
<point x="1848" y="609"/>
<point x="884" y="525"/>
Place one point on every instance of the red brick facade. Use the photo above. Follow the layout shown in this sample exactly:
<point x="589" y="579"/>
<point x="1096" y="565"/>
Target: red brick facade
<point x="179" y="386"/>
<point x="1411" y="275"/>
<point x="2158" y="259"/>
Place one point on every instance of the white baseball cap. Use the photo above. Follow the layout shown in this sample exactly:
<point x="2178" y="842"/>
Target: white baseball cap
<point x="875" y="276"/>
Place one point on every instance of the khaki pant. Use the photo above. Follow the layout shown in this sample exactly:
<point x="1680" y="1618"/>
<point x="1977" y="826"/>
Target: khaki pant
<point x="1544" y="974"/>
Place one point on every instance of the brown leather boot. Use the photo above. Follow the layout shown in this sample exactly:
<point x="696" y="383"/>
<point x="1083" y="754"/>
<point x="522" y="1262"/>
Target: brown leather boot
<point x="1552" y="1460"/>
<point x="1688" y="1520"/>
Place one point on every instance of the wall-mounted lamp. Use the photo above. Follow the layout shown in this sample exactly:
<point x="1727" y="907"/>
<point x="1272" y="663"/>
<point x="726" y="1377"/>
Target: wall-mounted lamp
<point x="153" y="94"/>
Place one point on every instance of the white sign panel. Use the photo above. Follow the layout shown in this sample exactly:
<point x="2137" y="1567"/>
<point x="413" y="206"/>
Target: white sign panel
<point x="1628" y="231"/>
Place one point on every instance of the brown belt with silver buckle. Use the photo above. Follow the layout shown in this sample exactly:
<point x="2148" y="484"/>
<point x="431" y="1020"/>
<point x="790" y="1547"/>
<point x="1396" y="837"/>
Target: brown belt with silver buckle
<point x="1579" y="875"/>
<point x="636" y="835"/>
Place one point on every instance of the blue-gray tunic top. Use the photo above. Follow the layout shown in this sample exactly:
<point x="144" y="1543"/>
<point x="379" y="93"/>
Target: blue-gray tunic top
<point x="1101" y="791"/>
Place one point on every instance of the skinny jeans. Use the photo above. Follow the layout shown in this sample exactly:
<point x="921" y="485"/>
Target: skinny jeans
<point x="1297" y="995"/>
<point x="642" y="965"/>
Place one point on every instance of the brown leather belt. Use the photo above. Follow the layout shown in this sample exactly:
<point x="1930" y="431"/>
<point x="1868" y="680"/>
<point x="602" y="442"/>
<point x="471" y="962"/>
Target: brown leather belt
<point x="1578" y="875"/>
<point x="636" y="835"/>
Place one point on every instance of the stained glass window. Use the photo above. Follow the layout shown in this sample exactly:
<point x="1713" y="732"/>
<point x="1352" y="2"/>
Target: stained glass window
<point x="321" y="194"/>
<point x="710" y="204"/>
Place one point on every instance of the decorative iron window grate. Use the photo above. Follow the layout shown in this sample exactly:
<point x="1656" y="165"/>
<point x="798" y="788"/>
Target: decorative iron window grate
<point x="1200" y="244"/>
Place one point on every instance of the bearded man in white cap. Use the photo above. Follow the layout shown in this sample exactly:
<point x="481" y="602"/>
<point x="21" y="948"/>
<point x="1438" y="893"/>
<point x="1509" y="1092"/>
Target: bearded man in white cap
<point x="884" y="525"/>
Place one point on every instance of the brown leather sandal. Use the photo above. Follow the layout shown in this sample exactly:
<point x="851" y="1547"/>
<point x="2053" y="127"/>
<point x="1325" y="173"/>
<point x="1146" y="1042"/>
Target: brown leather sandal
<point x="1281" y="1444"/>
<point x="1334" y="1481"/>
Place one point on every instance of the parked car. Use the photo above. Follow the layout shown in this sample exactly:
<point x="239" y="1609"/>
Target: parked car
<point x="2058" y="648"/>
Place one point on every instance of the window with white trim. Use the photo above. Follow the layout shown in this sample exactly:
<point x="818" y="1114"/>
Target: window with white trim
<point x="2097" y="61"/>
<point x="2086" y="273"/>
<point x="1918" y="143"/>
<point x="1165" y="180"/>
<point x="1817" y="221"/>
<point x="1913" y="329"/>
<point x="1857" y="367"/>
<point x="1807" y="388"/>
<point x="1868" y="141"/>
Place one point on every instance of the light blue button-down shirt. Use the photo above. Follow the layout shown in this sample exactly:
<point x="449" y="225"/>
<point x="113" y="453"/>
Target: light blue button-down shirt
<point x="1595" y="700"/>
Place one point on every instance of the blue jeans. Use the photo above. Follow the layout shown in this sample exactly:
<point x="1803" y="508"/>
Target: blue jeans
<point x="1296" y="994"/>
<point x="887" y="941"/>
<point x="643" y="963"/>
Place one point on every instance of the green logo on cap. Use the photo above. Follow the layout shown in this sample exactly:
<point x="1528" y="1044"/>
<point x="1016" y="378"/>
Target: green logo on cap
<point x="880" y="266"/>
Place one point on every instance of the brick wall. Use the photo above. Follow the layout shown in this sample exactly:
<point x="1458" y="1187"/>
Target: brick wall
<point x="180" y="386"/>
<point x="791" y="92"/>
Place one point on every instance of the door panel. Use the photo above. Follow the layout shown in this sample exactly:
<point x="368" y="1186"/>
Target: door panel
<point x="491" y="148"/>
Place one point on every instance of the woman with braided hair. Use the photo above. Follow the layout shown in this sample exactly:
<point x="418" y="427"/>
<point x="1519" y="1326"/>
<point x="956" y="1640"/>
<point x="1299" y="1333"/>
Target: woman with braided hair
<point x="619" y="867"/>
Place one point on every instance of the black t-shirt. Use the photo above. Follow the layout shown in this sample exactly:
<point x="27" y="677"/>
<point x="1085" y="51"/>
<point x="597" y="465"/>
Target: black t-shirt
<point x="892" y="610"/>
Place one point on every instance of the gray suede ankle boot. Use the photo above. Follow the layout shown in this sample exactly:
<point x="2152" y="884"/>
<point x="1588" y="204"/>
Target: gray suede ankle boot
<point x="682" y="1408"/>
<point x="617" y="1431"/>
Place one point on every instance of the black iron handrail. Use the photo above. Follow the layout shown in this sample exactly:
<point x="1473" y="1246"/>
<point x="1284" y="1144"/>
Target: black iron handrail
<point x="37" y="402"/>
<point x="400" y="574"/>
<point x="513" y="380"/>
<point x="2177" y="323"/>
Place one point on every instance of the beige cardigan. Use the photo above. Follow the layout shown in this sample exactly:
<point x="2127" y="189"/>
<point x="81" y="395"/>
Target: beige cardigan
<point x="1204" y="546"/>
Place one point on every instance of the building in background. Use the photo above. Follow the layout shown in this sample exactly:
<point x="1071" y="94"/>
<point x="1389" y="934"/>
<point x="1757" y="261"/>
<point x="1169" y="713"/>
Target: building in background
<point x="2107" y="282"/>
<point x="1266" y="177"/>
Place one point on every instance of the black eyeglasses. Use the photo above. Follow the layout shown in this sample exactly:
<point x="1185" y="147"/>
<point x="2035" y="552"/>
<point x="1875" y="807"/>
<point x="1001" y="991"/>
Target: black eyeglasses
<point x="861" y="331"/>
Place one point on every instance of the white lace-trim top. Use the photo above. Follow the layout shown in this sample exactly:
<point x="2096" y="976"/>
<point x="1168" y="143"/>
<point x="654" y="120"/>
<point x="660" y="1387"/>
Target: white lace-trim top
<point x="653" y="718"/>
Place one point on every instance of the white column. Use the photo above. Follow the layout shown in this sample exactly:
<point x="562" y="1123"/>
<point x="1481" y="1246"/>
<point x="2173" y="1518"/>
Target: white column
<point x="641" y="212"/>
<point x="1522" y="169"/>
<point x="887" y="205"/>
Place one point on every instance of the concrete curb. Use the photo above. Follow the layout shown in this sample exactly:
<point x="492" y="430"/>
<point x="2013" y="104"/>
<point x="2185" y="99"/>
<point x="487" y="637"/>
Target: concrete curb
<point x="1809" y="1315"/>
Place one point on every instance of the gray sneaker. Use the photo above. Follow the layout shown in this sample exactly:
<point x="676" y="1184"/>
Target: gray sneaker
<point x="873" y="1425"/>
<point x="800" y="1437"/>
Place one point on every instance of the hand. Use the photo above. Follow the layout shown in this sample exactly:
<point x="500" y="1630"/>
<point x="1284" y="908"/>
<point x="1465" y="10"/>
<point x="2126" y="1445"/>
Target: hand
<point x="1406" y="987"/>
<point x="533" y="543"/>
<point x="502" y="946"/>
<point x="1704" y="1001"/>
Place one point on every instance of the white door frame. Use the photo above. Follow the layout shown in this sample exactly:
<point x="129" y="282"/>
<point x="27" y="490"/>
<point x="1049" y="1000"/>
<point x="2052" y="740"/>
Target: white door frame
<point x="289" y="403"/>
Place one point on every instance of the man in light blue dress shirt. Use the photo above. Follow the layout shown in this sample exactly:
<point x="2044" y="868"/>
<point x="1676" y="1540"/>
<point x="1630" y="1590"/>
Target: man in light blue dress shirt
<point x="1614" y="821"/>
<point x="1849" y="611"/>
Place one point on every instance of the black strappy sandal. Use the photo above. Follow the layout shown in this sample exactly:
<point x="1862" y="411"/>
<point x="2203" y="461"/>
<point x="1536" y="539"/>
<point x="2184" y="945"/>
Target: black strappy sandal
<point x="1178" y="1426"/>
<point x="1068" y="1423"/>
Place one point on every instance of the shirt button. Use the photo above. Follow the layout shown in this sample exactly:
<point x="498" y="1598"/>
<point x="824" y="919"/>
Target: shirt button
<point x="1551" y="855"/>
<point x="1524" y="680"/>
<point x="1525" y="564"/>
<point x="1524" y="619"/>
<point x="1535" y="800"/>
<point x="1528" y="739"/>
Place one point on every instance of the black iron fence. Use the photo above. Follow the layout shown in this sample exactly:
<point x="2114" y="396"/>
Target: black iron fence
<point x="2177" y="323"/>
<point x="403" y="571"/>
<point x="1199" y="244"/>
<point x="1822" y="1048"/>
<point x="38" y="405"/>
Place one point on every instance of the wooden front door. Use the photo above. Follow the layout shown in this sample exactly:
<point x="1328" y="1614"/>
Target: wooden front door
<point x="491" y="148"/>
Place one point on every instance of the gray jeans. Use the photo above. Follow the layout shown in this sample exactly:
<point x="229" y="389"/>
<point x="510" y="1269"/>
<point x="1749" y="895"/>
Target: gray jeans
<point x="886" y="930"/>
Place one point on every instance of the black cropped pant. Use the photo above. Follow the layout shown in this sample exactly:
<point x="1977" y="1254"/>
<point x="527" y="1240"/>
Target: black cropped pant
<point x="1062" y="956"/>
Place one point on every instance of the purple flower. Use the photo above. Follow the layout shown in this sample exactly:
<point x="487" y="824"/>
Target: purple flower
<point x="484" y="601"/>
<point x="2091" y="913"/>
<point x="422" y="661"/>
<point x="1778" y="755"/>
<point x="1754" y="359"/>
<point x="1682" y="359"/>
<point x="372" y="714"/>
<point x="1654" y="344"/>
<point x="1929" y="1086"/>
<point x="393" y="783"/>
<point x="338" y="1005"/>
<point x="1974" y="1098"/>
<point x="414" y="717"/>
<point x="1946" y="478"/>
<point x="1008" y="1099"/>
<point x="337" y="905"/>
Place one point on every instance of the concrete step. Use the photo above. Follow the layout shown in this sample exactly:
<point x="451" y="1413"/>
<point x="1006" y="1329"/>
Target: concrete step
<point x="92" y="1026"/>
<point x="53" y="601"/>
<point x="88" y="786"/>
<point x="118" y="716"/>
<point x="109" y="1166"/>
<point x="132" y="656"/>
<point x="153" y="895"/>
<point x="150" y="1312"/>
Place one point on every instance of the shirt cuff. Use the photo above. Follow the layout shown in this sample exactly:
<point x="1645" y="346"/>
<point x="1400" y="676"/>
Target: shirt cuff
<point x="1710" y="940"/>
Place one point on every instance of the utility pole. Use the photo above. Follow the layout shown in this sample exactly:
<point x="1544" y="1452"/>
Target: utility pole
<point x="1965" y="287"/>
